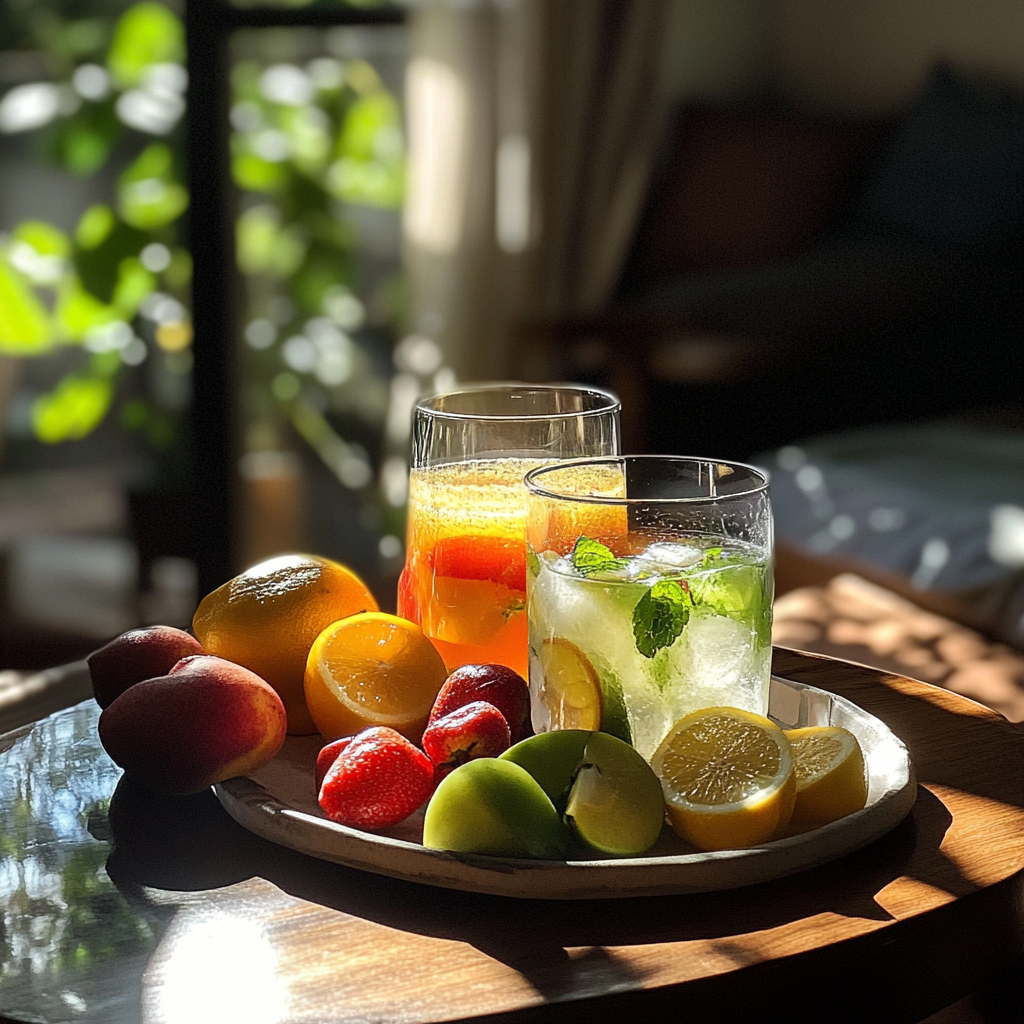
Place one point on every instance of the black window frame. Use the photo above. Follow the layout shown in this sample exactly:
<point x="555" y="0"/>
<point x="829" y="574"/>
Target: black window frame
<point x="209" y="25"/>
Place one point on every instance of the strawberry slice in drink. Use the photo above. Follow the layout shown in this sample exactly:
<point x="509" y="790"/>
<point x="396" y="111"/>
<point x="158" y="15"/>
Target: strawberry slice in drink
<point x="477" y="584"/>
<point x="498" y="559"/>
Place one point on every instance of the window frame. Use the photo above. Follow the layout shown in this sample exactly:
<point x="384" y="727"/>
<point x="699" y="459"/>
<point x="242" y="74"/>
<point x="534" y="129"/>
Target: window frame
<point x="209" y="230"/>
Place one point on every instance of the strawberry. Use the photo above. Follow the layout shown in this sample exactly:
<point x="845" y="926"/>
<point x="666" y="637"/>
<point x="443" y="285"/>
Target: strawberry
<point x="498" y="559"/>
<point x="379" y="779"/>
<point x="327" y="756"/>
<point x="496" y="684"/>
<point x="475" y="730"/>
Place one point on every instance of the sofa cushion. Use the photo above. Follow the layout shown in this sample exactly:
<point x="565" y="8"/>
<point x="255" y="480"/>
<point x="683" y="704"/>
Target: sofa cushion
<point x="954" y="169"/>
<point x="938" y="504"/>
<point x="744" y="187"/>
<point x="847" y="287"/>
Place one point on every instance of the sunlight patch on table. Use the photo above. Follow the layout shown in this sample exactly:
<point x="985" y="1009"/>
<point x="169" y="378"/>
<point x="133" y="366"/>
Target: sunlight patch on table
<point x="214" y="970"/>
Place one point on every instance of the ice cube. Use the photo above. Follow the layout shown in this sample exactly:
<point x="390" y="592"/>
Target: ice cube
<point x="670" y="555"/>
<point x="716" y="665"/>
<point x="620" y="574"/>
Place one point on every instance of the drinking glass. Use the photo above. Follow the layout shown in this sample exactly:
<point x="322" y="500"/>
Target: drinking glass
<point x="464" y="579"/>
<point x="650" y="592"/>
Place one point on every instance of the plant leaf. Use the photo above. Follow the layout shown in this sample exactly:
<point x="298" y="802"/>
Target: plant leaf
<point x="146" y="34"/>
<point x="74" y="409"/>
<point x="25" y="327"/>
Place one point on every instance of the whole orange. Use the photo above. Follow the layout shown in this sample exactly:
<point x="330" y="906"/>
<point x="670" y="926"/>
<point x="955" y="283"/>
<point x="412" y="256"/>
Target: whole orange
<point x="267" y="618"/>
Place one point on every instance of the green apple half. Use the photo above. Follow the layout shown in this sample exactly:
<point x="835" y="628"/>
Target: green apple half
<point x="494" y="807"/>
<point x="611" y="799"/>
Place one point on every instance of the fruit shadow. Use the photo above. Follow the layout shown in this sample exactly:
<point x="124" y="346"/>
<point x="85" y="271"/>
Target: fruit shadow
<point x="192" y="844"/>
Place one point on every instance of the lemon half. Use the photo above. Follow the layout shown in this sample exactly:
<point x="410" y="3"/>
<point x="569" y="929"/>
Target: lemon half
<point x="830" y="779"/>
<point x="728" y="778"/>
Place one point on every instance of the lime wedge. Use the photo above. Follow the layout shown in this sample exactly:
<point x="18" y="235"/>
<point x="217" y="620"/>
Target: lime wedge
<point x="614" y="718"/>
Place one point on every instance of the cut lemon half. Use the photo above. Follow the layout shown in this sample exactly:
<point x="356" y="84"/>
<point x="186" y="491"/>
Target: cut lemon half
<point x="372" y="669"/>
<point x="830" y="779"/>
<point x="727" y="776"/>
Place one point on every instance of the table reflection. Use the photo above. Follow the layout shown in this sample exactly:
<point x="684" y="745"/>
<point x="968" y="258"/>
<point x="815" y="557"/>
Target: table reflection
<point x="63" y="917"/>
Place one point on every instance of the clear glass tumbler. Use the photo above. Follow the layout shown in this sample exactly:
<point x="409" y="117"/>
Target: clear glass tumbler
<point x="650" y="593"/>
<point x="464" y="579"/>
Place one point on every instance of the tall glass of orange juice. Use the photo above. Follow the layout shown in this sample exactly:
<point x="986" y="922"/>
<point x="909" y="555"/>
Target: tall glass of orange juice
<point x="464" y="579"/>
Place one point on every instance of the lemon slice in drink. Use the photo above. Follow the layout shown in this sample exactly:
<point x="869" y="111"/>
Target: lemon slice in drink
<point x="571" y="691"/>
<point x="574" y="696"/>
<point x="830" y="778"/>
<point x="728" y="778"/>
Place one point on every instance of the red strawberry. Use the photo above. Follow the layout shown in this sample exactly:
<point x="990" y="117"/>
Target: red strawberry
<point x="378" y="780"/>
<point x="496" y="684"/>
<point x="327" y="756"/>
<point x="474" y="730"/>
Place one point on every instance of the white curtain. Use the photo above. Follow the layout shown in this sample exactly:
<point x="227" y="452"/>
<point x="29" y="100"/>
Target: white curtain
<point x="533" y="125"/>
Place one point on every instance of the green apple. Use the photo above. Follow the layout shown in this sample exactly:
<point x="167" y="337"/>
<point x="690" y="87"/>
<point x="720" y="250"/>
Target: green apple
<point x="615" y="805"/>
<point x="611" y="798"/>
<point x="494" y="807"/>
<point x="552" y="758"/>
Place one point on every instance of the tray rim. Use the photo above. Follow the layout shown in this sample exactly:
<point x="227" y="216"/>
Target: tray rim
<point x="250" y="804"/>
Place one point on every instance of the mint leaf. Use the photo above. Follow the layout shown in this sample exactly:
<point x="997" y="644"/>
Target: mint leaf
<point x="659" y="617"/>
<point x="532" y="562"/>
<point x="711" y="557"/>
<point x="590" y="556"/>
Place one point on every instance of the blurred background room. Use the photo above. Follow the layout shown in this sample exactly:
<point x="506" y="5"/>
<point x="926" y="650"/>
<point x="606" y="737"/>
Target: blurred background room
<point x="238" y="240"/>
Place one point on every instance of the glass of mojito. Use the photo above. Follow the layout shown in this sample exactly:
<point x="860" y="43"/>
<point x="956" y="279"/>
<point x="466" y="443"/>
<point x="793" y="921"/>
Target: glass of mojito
<point x="464" y="580"/>
<point x="650" y="592"/>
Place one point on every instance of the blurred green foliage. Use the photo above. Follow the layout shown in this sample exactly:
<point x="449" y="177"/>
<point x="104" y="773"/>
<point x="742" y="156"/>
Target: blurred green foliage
<point x="115" y="72"/>
<point x="146" y="34"/>
<point x="317" y="136"/>
<point x="313" y="136"/>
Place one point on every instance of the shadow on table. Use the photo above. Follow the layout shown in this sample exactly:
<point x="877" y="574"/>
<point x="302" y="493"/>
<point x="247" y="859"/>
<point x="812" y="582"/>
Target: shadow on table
<point x="193" y="844"/>
<point x="188" y="844"/>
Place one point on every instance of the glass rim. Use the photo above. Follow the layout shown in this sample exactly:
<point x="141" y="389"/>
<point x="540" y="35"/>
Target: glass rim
<point x="612" y="403"/>
<point x="530" y="480"/>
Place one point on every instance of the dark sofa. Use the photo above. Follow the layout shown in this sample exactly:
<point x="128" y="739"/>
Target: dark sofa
<point x="794" y="274"/>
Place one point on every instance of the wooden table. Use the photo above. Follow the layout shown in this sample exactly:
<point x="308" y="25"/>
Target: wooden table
<point x="124" y="907"/>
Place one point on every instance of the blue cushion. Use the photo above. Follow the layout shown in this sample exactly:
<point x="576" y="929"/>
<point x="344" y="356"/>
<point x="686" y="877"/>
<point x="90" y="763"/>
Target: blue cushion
<point x="954" y="170"/>
<point x="939" y="504"/>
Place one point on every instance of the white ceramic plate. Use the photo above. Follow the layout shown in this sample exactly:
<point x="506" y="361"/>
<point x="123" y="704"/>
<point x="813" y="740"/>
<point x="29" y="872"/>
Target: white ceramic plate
<point x="279" y="803"/>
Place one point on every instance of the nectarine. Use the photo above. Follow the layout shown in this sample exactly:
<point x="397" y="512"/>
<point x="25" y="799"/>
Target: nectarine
<point x="205" y="721"/>
<point x="136" y="655"/>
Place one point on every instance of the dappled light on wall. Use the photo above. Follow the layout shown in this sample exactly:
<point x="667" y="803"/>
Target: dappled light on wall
<point x="437" y="112"/>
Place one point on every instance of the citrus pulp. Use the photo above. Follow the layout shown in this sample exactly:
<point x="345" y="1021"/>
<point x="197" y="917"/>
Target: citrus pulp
<point x="727" y="776"/>
<point x="372" y="669"/>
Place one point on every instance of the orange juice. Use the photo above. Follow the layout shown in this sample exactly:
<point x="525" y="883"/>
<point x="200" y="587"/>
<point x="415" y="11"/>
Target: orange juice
<point x="464" y="579"/>
<point x="465" y="571"/>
